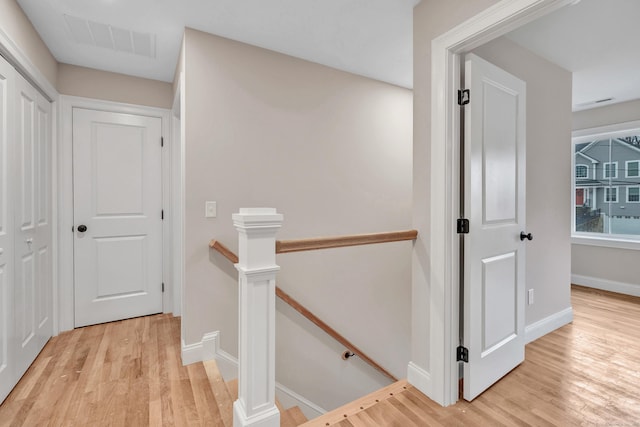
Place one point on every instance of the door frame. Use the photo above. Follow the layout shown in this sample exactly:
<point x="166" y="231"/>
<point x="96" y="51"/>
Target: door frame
<point x="439" y="380"/>
<point x="66" y="304"/>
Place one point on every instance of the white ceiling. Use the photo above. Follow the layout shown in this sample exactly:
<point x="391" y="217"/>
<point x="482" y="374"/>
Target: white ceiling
<point x="599" y="41"/>
<point x="372" y="38"/>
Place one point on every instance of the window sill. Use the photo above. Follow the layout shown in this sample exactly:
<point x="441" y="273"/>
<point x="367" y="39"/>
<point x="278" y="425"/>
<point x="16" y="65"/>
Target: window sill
<point x="605" y="242"/>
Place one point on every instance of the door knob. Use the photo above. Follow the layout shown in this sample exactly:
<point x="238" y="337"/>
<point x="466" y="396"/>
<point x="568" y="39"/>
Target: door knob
<point x="527" y="236"/>
<point x="82" y="228"/>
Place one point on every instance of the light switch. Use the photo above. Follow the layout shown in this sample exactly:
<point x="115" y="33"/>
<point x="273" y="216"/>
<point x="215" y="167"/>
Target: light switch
<point x="210" y="209"/>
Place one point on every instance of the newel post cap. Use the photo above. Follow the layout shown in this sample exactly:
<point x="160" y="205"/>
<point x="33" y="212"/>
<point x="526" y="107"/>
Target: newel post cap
<point x="259" y="218"/>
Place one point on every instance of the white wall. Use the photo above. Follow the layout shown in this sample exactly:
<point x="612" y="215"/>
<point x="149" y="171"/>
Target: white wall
<point x="431" y="18"/>
<point x="607" y="268"/>
<point x="332" y="152"/>
<point x="548" y="174"/>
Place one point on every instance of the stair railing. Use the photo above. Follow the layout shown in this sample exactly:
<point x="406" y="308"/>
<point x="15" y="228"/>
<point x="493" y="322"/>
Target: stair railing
<point x="257" y="269"/>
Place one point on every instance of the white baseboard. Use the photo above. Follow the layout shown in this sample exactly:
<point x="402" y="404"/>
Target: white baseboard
<point x="419" y="378"/>
<point x="290" y="398"/>
<point x="191" y="353"/>
<point x="209" y="348"/>
<point x="606" y="285"/>
<point x="548" y="324"/>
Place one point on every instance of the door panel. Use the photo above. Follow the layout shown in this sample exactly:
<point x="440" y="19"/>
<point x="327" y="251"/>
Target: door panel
<point x="33" y="293"/>
<point x="7" y="324"/>
<point x="495" y="205"/>
<point x="118" y="196"/>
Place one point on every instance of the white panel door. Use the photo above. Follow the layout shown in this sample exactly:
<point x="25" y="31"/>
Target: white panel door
<point x="117" y="192"/>
<point x="32" y="197"/>
<point x="7" y="332"/>
<point x="495" y="206"/>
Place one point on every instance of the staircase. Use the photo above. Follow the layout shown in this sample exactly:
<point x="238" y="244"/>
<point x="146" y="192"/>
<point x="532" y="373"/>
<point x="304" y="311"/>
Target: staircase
<point x="227" y="392"/>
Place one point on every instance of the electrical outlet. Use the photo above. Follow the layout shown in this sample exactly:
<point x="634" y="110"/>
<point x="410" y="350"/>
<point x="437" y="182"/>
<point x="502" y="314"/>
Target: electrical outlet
<point x="210" y="209"/>
<point x="530" y="297"/>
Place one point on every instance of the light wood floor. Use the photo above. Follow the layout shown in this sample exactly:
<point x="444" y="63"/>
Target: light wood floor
<point x="129" y="374"/>
<point x="586" y="373"/>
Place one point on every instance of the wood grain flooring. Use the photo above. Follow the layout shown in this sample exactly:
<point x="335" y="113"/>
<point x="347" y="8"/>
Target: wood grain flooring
<point x="584" y="374"/>
<point x="129" y="373"/>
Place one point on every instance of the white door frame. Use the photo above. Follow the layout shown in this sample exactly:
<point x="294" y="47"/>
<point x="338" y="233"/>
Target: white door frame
<point x="65" y="199"/>
<point x="21" y="62"/>
<point x="440" y="380"/>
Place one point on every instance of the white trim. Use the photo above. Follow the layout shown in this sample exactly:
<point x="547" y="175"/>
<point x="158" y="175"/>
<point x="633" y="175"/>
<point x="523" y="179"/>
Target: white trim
<point x="548" y="324"/>
<point x="177" y="198"/>
<point x="582" y="166"/>
<point x="209" y="348"/>
<point x="629" y="187"/>
<point x="626" y="168"/>
<point x="289" y="398"/>
<point x="604" y="170"/>
<point x="442" y="304"/>
<point x="607" y="285"/>
<point x="19" y="60"/>
<point x="419" y="377"/>
<point x="65" y="196"/>
<point x="604" y="194"/>
<point x="191" y="353"/>
<point x="597" y="239"/>
<point x="24" y="66"/>
<point x="609" y="131"/>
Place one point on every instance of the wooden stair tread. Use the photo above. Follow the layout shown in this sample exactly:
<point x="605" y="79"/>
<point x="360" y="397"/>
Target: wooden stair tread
<point x="297" y="415"/>
<point x="351" y="408"/>
<point x="232" y="386"/>
<point x="221" y="392"/>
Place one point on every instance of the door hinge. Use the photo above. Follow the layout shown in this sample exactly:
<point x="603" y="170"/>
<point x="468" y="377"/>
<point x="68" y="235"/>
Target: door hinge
<point x="162" y="286"/>
<point x="463" y="226"/>
<point x="462" y="354"/>
<point x="464" y="96"/>
<point x="162" y="214"/>
<point x="162" y="141"/>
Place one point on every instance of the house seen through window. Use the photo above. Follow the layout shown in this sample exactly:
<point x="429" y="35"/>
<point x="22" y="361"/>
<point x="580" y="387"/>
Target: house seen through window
<point x="606" y="184"/>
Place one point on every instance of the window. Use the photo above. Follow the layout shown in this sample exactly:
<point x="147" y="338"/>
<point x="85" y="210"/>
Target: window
<point x="632" y="169"/>
<point x="610" y="170"/>
<point x="606" y="202"/>
<point x="582" y="171"/>
<point x="611" y="194"/>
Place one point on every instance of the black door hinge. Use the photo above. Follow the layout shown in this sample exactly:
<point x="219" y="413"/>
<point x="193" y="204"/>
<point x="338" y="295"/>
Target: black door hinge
<point x="464" y="96"/>
<point x="162" y="141"/>
<point x="162" y="214"/>
<point x="463" y="226"/>
<point x="162" y="286"/>
<point x="462" y="354"/>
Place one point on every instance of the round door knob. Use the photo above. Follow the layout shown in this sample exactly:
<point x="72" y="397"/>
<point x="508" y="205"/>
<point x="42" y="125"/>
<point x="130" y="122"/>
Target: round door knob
<point x="82" y="228"/>
<point x="527" y="236"/>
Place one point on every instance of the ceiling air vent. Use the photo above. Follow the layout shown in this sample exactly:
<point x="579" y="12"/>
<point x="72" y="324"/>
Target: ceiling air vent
<point x="110" y="37"/>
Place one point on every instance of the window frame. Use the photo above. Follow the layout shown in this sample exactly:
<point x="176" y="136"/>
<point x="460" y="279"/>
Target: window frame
<point x="619" y="130"/>
<point x="629" y="187"/>
<point x="617" y="193"/>
<point x="626" y="169"/>
<point x="586" y="168"/>
<point x="604" y="170"/>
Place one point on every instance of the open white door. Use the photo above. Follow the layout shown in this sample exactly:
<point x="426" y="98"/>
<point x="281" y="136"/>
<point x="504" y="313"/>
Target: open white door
<point x="494" y="263"/>
<point x="117" y="192"/>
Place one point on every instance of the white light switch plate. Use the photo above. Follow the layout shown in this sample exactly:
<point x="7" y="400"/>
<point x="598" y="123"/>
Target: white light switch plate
<point x="210" y="209"/>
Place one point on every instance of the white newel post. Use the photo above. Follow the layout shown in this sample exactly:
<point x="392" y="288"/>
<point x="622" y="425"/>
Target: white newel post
<point x="257" y="270"/>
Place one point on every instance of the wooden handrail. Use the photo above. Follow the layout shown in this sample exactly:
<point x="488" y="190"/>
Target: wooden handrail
<point x="298" y="245"/>
<point x="227" y="253"/>
<point x="330" y="331"/>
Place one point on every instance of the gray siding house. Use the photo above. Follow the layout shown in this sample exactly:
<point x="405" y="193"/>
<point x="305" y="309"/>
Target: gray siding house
<point x="607" y="185"/>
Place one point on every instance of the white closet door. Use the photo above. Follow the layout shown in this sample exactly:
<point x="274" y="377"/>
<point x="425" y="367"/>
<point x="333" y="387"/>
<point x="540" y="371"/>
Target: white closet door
<point x="32" y="298"/>
<point x="7" y="332"/>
